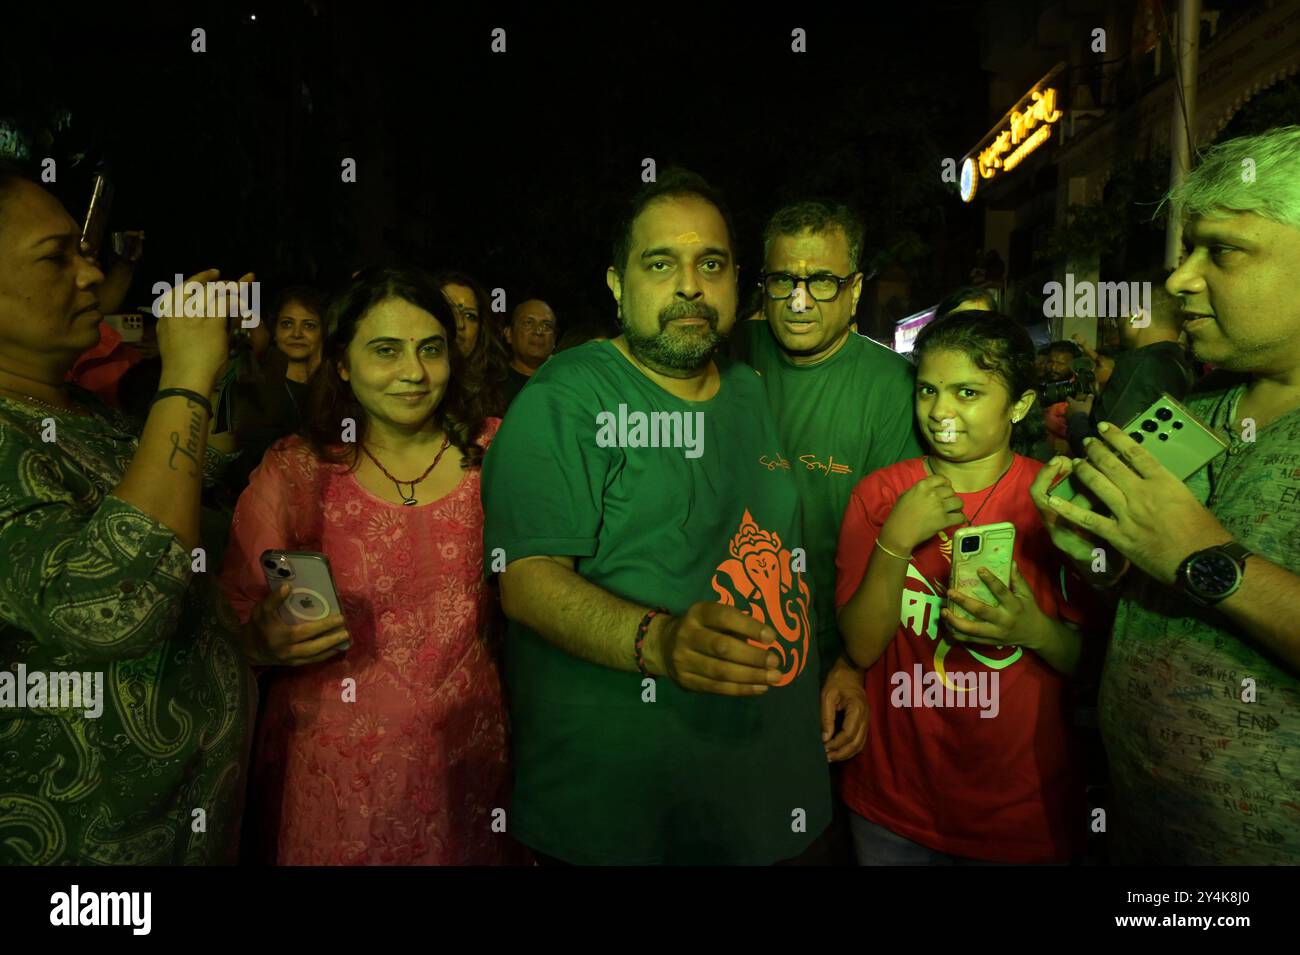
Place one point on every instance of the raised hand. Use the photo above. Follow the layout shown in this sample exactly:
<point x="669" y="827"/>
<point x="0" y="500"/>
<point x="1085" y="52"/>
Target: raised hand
<point x="1067" y="536"/>
<point x="920" y="512"/>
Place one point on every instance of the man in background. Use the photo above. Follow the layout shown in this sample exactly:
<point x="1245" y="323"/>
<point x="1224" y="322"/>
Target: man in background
<point x="531" y="337"/>
<point x="1153" y="363"/>
<point x="843" y="407"/>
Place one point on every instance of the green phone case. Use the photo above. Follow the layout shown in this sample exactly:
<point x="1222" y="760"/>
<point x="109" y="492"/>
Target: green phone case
<point x="996" y="546"/>
<point x="1175" y="437"/>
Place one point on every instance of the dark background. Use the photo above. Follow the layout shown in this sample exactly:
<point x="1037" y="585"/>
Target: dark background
<point x="510" y="166"/>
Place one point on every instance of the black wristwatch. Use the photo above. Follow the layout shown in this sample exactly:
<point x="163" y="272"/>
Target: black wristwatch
<point x="1213" y="574"/>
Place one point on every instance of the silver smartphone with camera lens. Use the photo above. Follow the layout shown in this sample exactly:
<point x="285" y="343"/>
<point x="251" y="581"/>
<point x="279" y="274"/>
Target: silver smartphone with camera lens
<point x="1179" y="440"/>
<point x="313" y="595"/>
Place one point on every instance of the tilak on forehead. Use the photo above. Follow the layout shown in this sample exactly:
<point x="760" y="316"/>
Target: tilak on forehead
<point x="689" y="238"/>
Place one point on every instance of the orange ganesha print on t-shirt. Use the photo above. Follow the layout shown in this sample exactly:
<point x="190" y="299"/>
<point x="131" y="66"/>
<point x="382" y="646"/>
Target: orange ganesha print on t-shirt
<point x="759" y="579"/>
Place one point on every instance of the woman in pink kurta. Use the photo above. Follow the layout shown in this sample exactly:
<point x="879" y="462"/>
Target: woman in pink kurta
<point x="394" y="752"/>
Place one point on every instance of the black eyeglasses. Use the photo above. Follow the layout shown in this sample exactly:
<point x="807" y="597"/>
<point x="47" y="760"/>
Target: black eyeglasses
<point x="823" y="287"/>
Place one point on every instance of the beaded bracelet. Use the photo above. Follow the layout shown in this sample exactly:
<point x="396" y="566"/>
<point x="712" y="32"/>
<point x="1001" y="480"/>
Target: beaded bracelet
<point x="641" y="631"/>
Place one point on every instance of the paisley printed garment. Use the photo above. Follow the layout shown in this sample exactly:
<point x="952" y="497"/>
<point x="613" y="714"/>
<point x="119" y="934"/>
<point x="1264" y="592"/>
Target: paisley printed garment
<point x="396" y="752"/>
<point x="91" y="585"/>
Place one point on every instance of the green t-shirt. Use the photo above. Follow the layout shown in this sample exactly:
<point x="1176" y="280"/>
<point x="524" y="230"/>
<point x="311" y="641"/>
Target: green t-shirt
<point x="1200" y="776"/>
<point x="838" y="421"/>
<point x="601" y="774"/>
<point x="94" y="588"/>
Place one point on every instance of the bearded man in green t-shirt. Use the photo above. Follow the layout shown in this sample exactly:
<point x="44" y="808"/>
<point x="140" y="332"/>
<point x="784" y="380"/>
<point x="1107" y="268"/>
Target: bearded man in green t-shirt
<point x="631" y="477"/>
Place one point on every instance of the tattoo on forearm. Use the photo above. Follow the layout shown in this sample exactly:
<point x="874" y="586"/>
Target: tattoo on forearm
<point x="191" y="446"/>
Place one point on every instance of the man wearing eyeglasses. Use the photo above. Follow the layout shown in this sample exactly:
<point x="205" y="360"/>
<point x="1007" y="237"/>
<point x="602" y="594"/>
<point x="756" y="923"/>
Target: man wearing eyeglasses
<point x="843" y="407"/>
<point x="531" y="337"/>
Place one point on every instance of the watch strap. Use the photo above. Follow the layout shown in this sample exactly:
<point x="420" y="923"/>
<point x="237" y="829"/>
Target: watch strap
<point x="1238" y="552"/>
<point x="1233" y="550"/>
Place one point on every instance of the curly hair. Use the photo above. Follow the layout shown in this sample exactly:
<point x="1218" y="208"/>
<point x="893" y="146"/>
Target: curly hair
<point x="330" y="398"/>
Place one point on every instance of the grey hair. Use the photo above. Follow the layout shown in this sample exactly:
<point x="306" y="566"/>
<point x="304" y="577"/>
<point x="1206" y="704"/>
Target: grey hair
<point x="815" y="216"/>
<point x="1258" y="174"/>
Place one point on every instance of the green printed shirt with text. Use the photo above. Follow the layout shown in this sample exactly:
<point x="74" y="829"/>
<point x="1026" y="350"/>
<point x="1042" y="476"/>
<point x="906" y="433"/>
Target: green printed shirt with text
<point x="838" y="421"/>
<point x="608" y="771"/>
<point x="1199" y="775"/>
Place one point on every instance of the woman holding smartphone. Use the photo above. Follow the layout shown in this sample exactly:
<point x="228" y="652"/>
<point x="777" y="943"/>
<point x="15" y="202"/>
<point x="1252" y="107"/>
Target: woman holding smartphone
<point x="102" y="596"/>
<point x="393" y="749"/>
<point x="969" y="756"/>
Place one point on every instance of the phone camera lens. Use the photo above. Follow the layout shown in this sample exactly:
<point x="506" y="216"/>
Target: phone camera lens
<point x="1164" y="414"/>
<point x="1178" y="424"/>
<point x="282" y="572"/>
<point x="268" y="564"/>
<point x="970" y="545"/>
<point x="1137" y="436"/>
<point x="1149" y="425"/>
<point x="1164" y="436"/>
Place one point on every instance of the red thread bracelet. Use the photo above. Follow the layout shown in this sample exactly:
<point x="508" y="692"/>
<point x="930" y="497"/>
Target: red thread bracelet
<point x="641" y="631"/>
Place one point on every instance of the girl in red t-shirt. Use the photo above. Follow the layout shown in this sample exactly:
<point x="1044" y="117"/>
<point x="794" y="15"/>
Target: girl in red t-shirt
<point x="969" y="757"/>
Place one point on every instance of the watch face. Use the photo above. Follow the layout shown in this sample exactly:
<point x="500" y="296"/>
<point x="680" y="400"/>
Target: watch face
<point x="1212" y="574"/>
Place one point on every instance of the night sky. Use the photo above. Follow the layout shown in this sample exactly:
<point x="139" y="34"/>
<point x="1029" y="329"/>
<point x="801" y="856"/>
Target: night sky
<point x="510" y="166"/>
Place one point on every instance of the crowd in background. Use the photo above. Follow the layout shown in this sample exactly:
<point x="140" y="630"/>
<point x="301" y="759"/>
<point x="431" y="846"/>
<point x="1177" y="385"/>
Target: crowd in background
<point x="736" y="637"/>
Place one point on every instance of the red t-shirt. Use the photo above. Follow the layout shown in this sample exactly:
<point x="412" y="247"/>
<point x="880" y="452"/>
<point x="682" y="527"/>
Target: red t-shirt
<point x="100" y="368"/>
<point x="1003" y="787"/>
<point x="1055" y="419"/>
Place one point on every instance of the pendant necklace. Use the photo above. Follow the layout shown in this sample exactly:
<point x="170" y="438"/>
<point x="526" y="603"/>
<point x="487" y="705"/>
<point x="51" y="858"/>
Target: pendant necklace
<point x="409" y="499"/>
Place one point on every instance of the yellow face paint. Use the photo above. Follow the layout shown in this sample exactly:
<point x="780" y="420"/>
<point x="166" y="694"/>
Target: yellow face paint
<point x="688" y="238"/>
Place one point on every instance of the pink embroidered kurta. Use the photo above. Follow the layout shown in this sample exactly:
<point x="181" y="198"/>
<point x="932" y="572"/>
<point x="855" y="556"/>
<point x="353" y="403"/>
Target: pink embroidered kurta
<point x="409" y="766"/>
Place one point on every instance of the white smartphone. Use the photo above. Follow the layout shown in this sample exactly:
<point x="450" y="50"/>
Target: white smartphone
<point x="130" y="325"/>
<point x="989" y="546"/>
<point x="313" y="596"/>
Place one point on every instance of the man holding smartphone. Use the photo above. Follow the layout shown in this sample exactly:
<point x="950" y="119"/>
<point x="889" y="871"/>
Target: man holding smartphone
<point x="1200" y="697"/>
